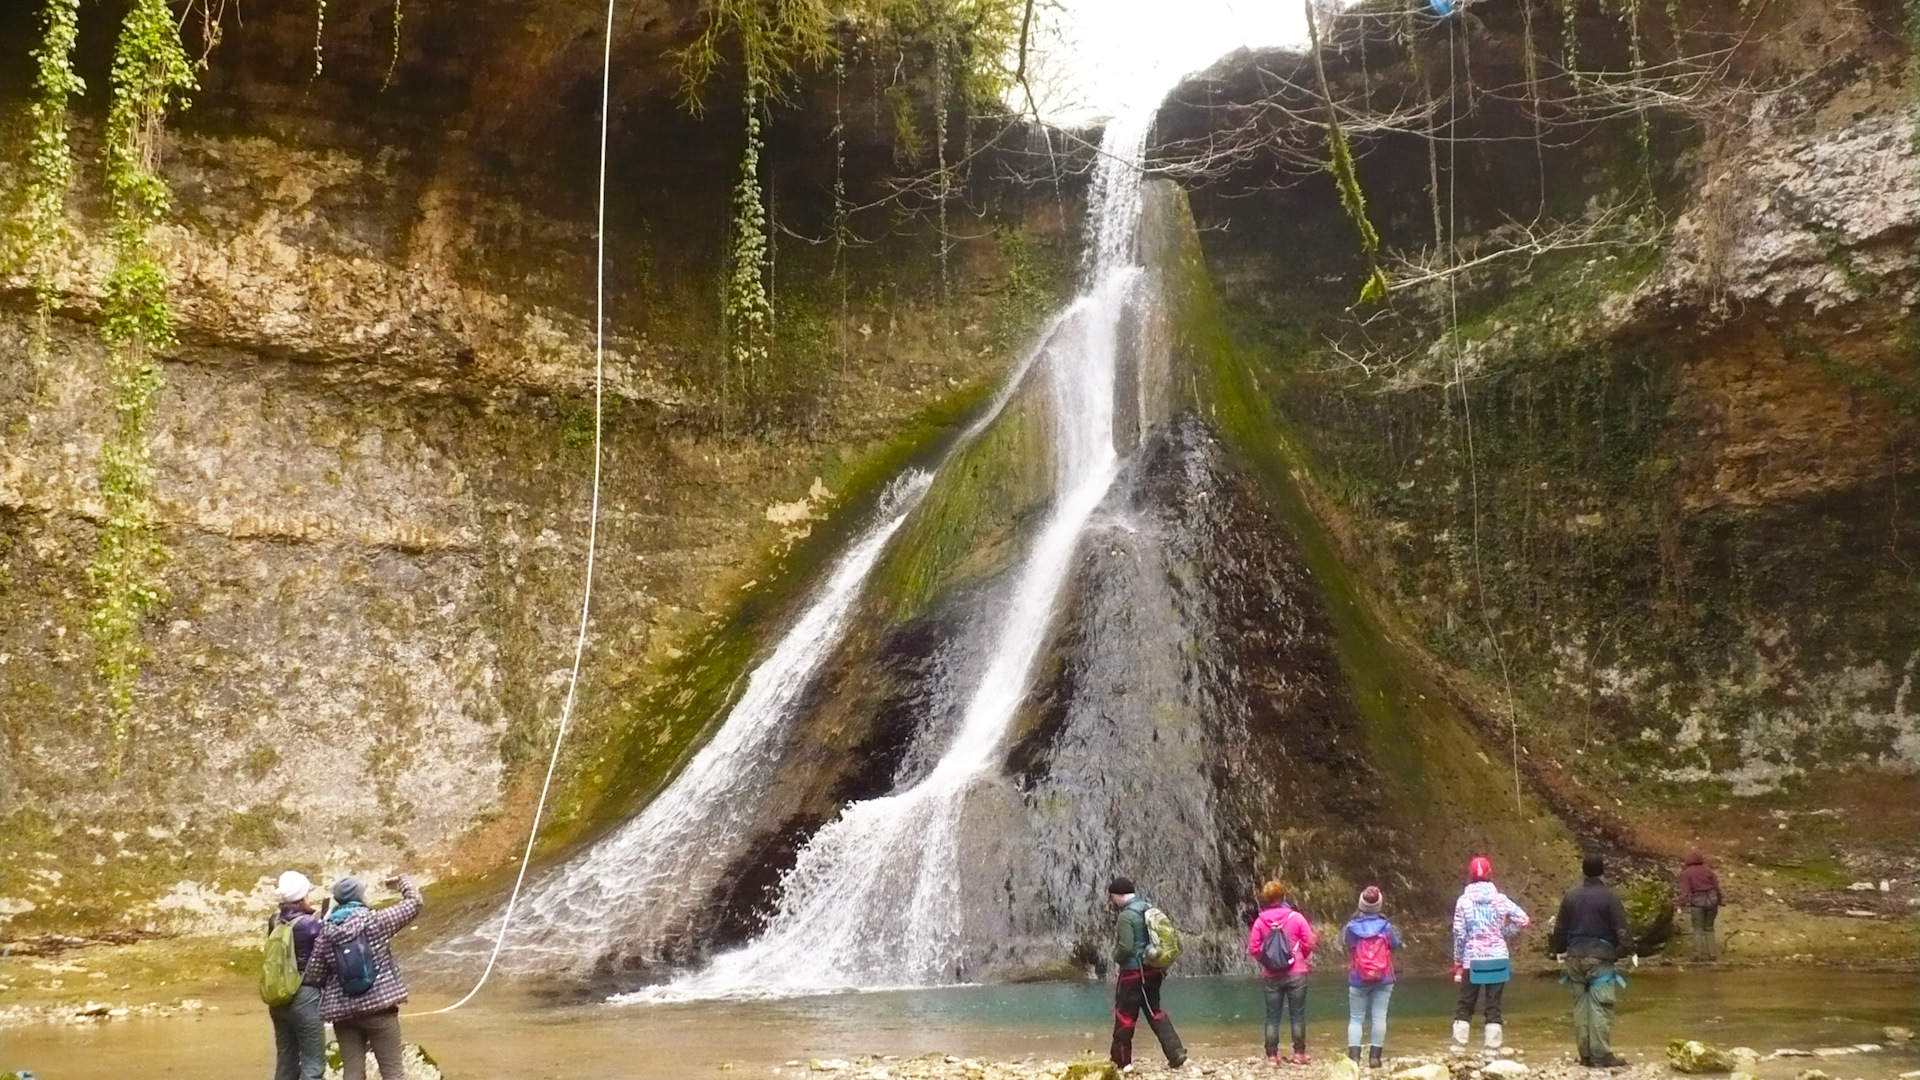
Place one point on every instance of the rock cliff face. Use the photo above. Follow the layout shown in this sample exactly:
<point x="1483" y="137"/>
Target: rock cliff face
<point x="374" y="445"/>
<point x="1659" y="498"/>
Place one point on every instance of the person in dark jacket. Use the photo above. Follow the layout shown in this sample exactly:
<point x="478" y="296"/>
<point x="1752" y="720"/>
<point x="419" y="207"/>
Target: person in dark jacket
<point x="1590" y="935"/>
<point x="1138" y="984"/>
<point x="1699" y="890"/>
<point x="371" y="1019"/>
<point x="299" y="1037"/>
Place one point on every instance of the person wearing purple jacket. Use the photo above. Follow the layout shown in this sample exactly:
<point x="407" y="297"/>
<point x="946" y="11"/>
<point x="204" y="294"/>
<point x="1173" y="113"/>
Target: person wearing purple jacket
<point x="369" y="1020"/>
<point x="1699" y="889"/>
<point x="299" y="1037"/>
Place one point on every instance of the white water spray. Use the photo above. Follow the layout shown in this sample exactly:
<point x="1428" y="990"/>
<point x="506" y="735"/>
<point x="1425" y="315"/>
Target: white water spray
<point x="677" y="849"/>
<point x="872" y="899"/>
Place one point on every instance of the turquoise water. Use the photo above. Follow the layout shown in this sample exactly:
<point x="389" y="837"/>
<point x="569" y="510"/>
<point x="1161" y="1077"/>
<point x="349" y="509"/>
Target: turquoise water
<point x="511" y="1035"/>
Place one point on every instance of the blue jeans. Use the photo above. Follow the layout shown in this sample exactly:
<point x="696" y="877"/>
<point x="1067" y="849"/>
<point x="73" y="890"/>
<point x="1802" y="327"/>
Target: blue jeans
<point x="1368" y="1003"/>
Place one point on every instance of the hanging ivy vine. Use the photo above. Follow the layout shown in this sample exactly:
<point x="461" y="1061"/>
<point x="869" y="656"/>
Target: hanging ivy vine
<point x="1346" y="177"/>
<point x="747" y="307"/>
<point x="151" y="75"/>
<point x="774" y="40"/>
<point x="49" y="158"/>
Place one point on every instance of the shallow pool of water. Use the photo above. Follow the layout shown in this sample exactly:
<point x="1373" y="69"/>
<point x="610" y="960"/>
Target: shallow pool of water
<point x="512" y="1034"/>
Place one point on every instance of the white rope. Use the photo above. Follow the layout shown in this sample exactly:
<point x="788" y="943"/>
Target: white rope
<point x="593" y="517"/>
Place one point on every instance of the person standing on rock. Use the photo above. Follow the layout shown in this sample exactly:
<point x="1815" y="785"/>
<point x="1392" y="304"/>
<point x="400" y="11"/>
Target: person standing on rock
<point x="1281" y="942"/>
<point x="1700" y="894"/>
<point x="1589" y="936"/>
<point x="360" y="986"/>
<point x="1371" y="942"/>
<point x="299" y="1036"/>
<point x="1138" y="984"/>
<point x="1483" y="919"/>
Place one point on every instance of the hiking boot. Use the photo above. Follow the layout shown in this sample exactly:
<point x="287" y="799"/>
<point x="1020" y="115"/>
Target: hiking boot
<point x="1353" y="1054"/>
<point x="1493" y="1034"/>
<point x="1373" y="1057"/>
<point x="1611" y="1061"/>
<point x="1176" y="1062"/>
<point x="1300" y="1058"/>
<point x="1461" y="1029"/>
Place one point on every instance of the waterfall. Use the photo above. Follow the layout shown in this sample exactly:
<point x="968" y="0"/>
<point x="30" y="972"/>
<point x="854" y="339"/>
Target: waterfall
<point x="873" y="898"/>
<point x="668" y="856"/>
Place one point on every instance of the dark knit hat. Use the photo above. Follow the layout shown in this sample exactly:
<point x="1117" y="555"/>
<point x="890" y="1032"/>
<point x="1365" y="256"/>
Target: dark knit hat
<point x="1593" y="864"/>
<point x="1370" y="900"/>
<point x="1120" y="886"/>
<point x="348" y="890"/>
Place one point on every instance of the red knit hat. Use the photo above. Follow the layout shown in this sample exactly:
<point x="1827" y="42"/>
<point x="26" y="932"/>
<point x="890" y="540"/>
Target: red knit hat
<point x="1480" y="869"/>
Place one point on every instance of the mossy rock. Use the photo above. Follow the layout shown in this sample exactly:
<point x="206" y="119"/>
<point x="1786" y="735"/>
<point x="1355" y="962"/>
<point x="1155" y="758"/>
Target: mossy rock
<point x="1091" y="1070"/>
<point x="1694" y="1056"/>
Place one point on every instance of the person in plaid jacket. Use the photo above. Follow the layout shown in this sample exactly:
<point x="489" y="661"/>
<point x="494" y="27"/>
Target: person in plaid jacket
<point x="371" y="1020"/>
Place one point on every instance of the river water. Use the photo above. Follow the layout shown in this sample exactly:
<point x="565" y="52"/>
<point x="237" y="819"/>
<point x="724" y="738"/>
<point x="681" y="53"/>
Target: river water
<point x="507" y="1034"/>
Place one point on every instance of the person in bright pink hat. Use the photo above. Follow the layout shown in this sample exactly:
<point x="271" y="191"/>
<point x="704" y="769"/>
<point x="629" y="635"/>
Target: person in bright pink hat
<point x="1483" y="919"/>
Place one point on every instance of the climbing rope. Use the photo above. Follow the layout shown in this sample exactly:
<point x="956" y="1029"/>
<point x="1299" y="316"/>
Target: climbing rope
<point x="593" y="519"/>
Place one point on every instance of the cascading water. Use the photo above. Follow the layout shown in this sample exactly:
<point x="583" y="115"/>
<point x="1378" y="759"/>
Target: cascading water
<point x="854" y="909"/>
<point x="667" y="857"/>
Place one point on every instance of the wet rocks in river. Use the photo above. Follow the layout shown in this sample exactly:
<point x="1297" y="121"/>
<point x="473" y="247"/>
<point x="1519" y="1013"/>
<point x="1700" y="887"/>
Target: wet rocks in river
<point x="1505" y="1069"/>
<point x="1897" y="1035"/>
<point x="1694" y="1056"/>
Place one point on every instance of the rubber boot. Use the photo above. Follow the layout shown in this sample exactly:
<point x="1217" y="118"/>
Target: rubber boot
<point x="1353" y="1054"/>
<point x="1461" y="1029"/>
<point x="1493" y="1036"/>
<point x="1373" y="1057"/>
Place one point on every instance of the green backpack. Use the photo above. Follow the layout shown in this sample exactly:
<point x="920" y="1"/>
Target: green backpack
<point x="1163" y="941"/>
<point x="279" y="973"/>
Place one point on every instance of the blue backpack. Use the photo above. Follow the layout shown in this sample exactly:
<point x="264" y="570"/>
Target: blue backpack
<point x="353" y="963"/>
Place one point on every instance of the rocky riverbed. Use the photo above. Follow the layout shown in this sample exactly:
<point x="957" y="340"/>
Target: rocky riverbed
<point x="1683" y="1057"/>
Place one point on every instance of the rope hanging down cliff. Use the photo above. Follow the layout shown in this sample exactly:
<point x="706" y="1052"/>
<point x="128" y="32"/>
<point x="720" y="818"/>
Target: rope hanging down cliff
<point x="593" y="517"/>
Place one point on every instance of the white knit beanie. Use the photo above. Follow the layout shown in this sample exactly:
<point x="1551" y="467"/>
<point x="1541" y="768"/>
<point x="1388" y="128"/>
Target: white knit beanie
<point x="293" y="887"/>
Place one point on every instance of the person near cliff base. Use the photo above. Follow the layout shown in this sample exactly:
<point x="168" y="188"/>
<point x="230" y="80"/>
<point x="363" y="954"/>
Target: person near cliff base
<point x="1371" y="942"/>
<point x="1138" y="984"/>
<point x="299" y="1036"/>
<point x="1590" y="935"/>
<point x="1281" y="942"/>
<point x="360" y="986"/>
<point x="1699" y="889"/>
<point x="1483" y="919"/>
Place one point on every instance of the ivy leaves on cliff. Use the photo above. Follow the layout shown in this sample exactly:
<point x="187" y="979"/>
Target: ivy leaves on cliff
<point x="773" y="42"/>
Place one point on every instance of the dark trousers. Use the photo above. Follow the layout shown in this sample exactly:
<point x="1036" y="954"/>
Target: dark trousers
<point x="299" y="1038"/>
<point x="1288" y="994"/>
<point x="1134" y="991"/>
<point x="379" y="1032"/>
<point x="1472" y="993"/>
<point x="1703" y="918"/>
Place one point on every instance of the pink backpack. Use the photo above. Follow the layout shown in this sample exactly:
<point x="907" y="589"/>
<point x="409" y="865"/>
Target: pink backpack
<point x="1373" y="958"/>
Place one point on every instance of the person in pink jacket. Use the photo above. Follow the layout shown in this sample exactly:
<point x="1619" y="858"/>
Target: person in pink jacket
<point x="1281" y="943"/>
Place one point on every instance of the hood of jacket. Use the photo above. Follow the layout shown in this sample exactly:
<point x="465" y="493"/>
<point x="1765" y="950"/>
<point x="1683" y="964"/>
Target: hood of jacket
<point x="1366" y="926"/>
<point x="1695" y="858"/>
<point x="1482" y="892"/>
<point x="336" y="928"/>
